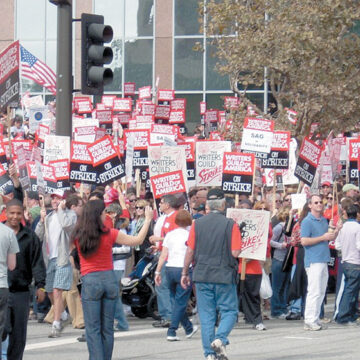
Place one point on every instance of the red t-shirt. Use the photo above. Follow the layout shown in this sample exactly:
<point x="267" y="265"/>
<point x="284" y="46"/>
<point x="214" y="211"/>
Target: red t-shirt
<point x="235" y="238"/>
<point x="169" y="224"/>
<point x="102" y="259"/>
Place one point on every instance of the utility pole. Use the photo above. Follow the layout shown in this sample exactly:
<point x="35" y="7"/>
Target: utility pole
<point x="64" y="81"/>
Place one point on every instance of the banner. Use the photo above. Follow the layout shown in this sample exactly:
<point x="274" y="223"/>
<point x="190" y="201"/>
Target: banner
<point x="62" y="173"/>
<point x="238" y="173"/>
<point x="308" y="161"/>
<point x="81" y="168"/>
<point x="255" y="227"/>
<point x="159" y="132"/>
<point x="9" y="76"/>
<point x="36" y="116"/>
<point x="85" y="134"/>
<point x="278" y="158"/>
<point x="166" y="159"/>
<point x="168" y="183"/>
<point x="106" y="161"/>
<point x="21" y="164"/>
<point x="5" y="180"/>
<point x="189" y="147"/>
<point x="56" y="147"/>
<point x="209" y="162"/>
<point x="141" y="144"/>
<point x="257" y="135"/>
<point x="354" y="154"/>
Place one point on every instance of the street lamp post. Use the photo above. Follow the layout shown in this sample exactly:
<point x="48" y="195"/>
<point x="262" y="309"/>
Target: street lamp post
<point x="64" y="82"/>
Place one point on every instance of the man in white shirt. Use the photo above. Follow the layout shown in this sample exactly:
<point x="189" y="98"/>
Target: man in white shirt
<point x="348" y="241"/>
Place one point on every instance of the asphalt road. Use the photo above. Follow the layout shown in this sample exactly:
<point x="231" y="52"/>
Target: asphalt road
<point x="284" y="340"/>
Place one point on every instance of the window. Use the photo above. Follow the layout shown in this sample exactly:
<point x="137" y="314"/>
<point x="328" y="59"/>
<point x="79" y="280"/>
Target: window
<point x="133" y="42"/>
<point x="194" y="70"/>
<point x="36" y="28"/>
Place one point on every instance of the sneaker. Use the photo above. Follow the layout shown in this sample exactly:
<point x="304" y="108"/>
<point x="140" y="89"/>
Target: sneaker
<point x="195" y="329"/>
<point x="211" y="357"/>
<point x="282" y="316"/>
<point x="293" y="316"/>
<point x="55" y="332"/>
<point x="172" y="338"/>
<point x="312" y="327"/>
<point x="220" y="350"/>
<point x="349" y="323"/>
<point x="116" y="328"/>
<point x="161" y="323"/>
<point x="325" y="320"/>
<point x="81" y="338"/>
<point x="260" y="327"/>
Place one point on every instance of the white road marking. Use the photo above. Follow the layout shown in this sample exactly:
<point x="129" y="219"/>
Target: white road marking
<point x="67" y="341"/>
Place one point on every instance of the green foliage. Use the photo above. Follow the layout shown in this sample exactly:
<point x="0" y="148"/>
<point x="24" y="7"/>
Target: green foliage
<point x="310" y="50"/>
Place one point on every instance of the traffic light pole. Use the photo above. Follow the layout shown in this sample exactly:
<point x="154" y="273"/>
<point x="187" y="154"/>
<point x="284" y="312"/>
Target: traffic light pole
<point x="64" y="82"/>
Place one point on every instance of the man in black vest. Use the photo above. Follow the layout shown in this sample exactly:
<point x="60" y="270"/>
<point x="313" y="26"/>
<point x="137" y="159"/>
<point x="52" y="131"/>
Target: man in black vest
<point x="214" y="244"/>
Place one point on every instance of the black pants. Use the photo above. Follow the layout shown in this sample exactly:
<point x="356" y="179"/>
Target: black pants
<point x="249" y="299"/>
<point x="18" y="314"/>
<point x="4" y="292"/>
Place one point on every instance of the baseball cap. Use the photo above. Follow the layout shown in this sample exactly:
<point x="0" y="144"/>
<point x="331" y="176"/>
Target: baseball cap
<point x="215" y="194"/>
<point x="326" y="183"/>
<point x="348" y="187"/>
<point x="58" y="193"/>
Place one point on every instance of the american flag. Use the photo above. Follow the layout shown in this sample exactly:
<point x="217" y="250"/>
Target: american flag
<point x="34" y="69"/>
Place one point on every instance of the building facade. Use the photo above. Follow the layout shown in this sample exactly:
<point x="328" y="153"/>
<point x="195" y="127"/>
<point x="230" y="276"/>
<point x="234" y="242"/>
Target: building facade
<point x="153" y="39"/>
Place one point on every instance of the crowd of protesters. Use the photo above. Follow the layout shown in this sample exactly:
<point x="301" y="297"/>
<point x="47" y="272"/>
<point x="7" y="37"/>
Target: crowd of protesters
<point x="74" y="247"/>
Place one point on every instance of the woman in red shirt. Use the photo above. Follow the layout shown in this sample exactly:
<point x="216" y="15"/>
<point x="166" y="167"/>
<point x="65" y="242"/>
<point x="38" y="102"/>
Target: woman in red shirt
<point x="100" y="289"/>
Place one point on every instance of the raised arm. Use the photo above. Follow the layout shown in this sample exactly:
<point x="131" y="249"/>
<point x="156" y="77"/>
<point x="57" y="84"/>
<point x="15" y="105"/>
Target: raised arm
<point x="124" y="239"/>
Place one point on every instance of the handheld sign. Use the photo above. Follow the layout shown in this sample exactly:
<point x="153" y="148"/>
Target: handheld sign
<point x="106" y="161"/>
<point x="238" y="173"/>
<point x="255" y="226"/>
<point x="278" y="158"/>
<point x="209" y="162"/>
<point x="308" y="161"/>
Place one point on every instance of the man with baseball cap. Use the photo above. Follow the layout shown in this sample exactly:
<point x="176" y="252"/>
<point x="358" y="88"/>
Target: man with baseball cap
<point x="54" y="230"/>
<point x="214" y="244"/>
<point x="350" y="190"/>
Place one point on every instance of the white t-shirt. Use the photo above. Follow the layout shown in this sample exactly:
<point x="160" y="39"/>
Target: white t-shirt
<point x="121" y="264"/>
<point x="54" y="232"/>
<point x="175" y="242"/>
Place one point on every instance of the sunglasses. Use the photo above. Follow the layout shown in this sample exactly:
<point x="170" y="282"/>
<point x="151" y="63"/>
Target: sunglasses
<point x="317" y="202"/>
<point x="133" y="200"/>
<point x="278" y="201"/>
<point x="330" y="198"/>
<point x="139" y="207"/>
<point x="287" y="199"/>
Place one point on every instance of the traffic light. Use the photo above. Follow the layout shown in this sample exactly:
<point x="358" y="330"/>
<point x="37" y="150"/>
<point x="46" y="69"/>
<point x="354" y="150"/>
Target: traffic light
<point x="94" y="54"/>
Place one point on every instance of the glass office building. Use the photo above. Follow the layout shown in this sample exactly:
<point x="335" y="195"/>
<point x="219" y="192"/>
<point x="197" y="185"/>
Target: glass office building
<point x="152" y="39"/>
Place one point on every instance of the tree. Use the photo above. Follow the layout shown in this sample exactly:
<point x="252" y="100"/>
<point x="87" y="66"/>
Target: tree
<point x="309" y="52"/>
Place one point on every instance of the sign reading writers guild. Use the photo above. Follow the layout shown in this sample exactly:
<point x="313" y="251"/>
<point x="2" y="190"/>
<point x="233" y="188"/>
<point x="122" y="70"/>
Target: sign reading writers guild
<point x="9" y="76"/>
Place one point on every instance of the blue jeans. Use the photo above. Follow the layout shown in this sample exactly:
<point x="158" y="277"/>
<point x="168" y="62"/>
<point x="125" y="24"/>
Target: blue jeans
<point x="295" y="305"/>
<point x="280" y="286"/>
<point x="119" y="309"/>
<point x="180" y="298"/>
<point x="99" y="294"/>
<point x="163" y="297"/>
<point x="348" y="302"/>
<point x="211" y="298"/>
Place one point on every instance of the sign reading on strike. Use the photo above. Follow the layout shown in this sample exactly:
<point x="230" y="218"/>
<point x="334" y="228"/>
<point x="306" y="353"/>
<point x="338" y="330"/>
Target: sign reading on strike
<point x="238" y="173"/>
<point x="354" y="156"/>
<point x="81" y="168"/>
<point x="106" y="161"/>
<point x="9" y="76"/>
<point x="308" y="161"/>
<point x="278" y="158"/>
